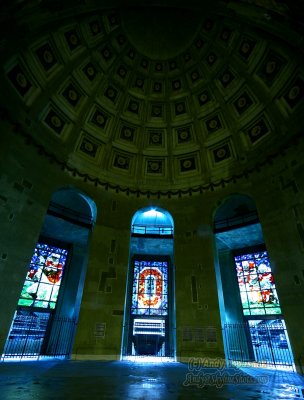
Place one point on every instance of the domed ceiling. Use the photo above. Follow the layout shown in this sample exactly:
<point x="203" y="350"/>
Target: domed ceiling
<point x="155" y="99"/>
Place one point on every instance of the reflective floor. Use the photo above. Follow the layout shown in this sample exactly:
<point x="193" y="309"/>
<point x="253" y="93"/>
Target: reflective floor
<point x="52" y="380"/>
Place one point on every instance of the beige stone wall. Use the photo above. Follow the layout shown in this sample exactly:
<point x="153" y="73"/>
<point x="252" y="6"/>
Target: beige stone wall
<point x="280" y="202"/>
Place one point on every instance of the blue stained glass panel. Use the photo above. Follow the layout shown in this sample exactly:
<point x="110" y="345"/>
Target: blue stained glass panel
<point x="43" y="279"/>
<point x="150" y="288"/>
<point x="256" y="284"/>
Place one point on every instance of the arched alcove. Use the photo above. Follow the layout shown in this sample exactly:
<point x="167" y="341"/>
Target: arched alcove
<point x="46" y="316"/>
<point x="153" y="221"/>
<point x="71" y="204"/>
<point x="149" y="318"/>
<point x="253" y="323"/>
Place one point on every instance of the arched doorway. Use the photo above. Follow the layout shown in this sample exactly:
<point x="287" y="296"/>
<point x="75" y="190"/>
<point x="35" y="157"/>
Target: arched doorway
<point x="253" y="322"/>
<point x="149" y="320"/>
<point x="47" y="311"/>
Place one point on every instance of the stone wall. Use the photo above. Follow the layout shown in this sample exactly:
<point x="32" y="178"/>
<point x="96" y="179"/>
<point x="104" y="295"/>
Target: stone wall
<point x="27" y="183"/>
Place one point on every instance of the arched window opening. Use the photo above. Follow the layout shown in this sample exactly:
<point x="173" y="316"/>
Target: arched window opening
<point x="149" y="321"/>
<point x="251" y="314"/>
<point x="47" y="310"/>
<point x="152" y="222"/>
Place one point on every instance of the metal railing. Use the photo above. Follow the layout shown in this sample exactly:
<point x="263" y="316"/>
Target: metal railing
<point x="237" y="221"/>
<point x="152" y="230"/>
<point x="258" y="343"/>
<point x="39" y="336"/>
<point x="70" y="215"/>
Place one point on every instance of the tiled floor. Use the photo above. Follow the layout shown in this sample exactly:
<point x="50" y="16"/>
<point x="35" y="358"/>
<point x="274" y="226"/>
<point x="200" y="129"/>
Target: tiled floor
<point x="52" y="380"/>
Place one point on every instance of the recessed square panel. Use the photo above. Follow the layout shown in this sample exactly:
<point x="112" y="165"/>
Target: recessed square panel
<point x="19" y="80"/>
<point x="213" y="124"/>
<point x="158" y="67"/>
<point x="195" y="75"/>
<point x="246" y="48"/>
<point x="157" y="87"/>
<point x="183" y="135"/>
<point x="187" y="164"/>
<point x="72" y="39"/>
<point x="121" y="39"/>
<point x="157" y="110"/>
<point x="106" y="53"/>
<point x="176" y="84"/>
<point x="122" y="71"/>
<point x="133" y="106"/>
<point x="144" y="63"/>
<point x="221" y="153"/>
<point x="271" y="68"/>
<point x="225" y="35"/>
<point x="71" y="94"/>
<point x="295" y="93"/>
<point x="46" y="56"/>
<point x="199" y="43"/>
<point x="99" y="119"/>
<point x="154" y="166"/>
<point x="208" y="25"/>
<point x="226" y="78"/>
<point x="243" y="103"/>
<point x="187" y="57"/>
<point x="90" y="71"/>
<point x="121" y="161"/>
<point x="113" y="19"/>
<point x="127" y="133"/>
<point x="139" y="83"/>
<point x="54" y="121"/>
<point x="155" y="138"/>
<point x="131" y="54"/>
<point x="88" y="147"/>
<point x="257" y="131"/>
<point x="211" y="59"/>
<point x="172" y="65"/>
<point x="204" y="97"/>
<point x="180" y="108"/>
<point x="95" y="27"/>
<point x="111" y="93"/>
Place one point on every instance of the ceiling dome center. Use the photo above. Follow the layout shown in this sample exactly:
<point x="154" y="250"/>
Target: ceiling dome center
<point x="160" y="33"/>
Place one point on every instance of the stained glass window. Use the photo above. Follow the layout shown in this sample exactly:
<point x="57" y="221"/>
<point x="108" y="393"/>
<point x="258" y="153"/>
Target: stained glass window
<point x="256" y="284"/>
<point x="43" y="279"/>
<point x="150" y="288"/>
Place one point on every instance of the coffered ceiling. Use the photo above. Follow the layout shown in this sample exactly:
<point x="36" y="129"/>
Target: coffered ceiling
<point x="152" y="98"/>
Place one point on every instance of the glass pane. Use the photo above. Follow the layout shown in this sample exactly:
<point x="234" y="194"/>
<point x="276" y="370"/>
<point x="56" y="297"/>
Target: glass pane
<point x="23" y="302"/>
<point x="244" y="300"/>
<point x="276" y="310"/>
<point x="44" y="291"/>
<point x="55" y="293"/>
<point x="257" y="311"/>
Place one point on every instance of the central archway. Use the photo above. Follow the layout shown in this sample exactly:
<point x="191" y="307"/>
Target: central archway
<point x="149" y="320"/>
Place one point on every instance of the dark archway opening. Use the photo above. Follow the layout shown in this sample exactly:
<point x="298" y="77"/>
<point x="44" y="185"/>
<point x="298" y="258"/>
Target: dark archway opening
<point x="253" y="322"/>
<point x="47" y="311"/>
